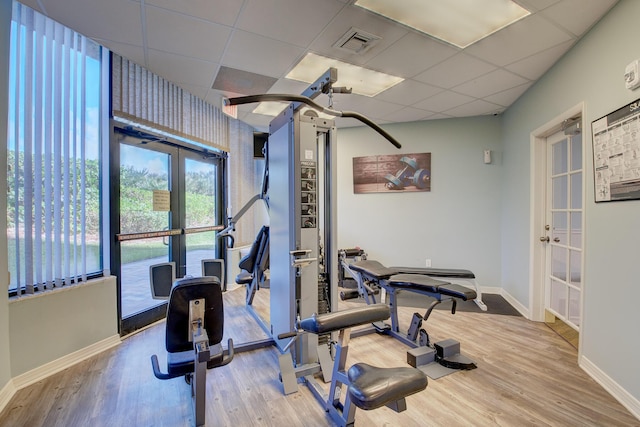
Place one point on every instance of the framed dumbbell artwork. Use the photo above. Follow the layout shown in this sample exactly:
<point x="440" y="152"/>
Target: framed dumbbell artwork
<point x="392" y="173"/>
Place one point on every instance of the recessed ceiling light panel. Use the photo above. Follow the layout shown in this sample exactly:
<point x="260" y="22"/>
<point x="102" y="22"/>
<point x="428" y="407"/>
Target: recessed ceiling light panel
<point x="458" y="22"/>
<point x="361" y="80"/>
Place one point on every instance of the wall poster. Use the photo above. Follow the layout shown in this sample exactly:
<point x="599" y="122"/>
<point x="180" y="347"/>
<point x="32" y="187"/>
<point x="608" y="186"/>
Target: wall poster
<point x="616" y="154"/>
<point x="392" y="173"/>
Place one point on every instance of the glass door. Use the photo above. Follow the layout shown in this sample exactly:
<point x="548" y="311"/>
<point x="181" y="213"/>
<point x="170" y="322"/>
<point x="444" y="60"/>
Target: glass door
<point x="564" y="236"/>
<point x="200" y="213"/>
<point x="167" y="209"/>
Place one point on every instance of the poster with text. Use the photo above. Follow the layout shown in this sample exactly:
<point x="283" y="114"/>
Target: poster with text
<point x="616" y="154"/>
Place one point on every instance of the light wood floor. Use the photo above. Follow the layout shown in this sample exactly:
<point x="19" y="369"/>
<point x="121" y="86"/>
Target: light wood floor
<point x="527" y="375"/>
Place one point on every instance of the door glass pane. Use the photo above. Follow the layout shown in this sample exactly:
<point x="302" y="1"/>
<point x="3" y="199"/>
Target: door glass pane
<point x="558" y="294"/>
<point x="574" y="306"/>
<point x="575" y="267"/>
<point x="559" y="262"/>
<point x="576" y="190"/>
<point x="137" y="256"/>
<point x="141" y="172"/>
<point x="200" y="211"/>
<point x="559" y="184"/>
<point x="559" y="228"/>
<point x="576" y="152"/>
<point x="576" y="229"/>
<point x="559" y="160"/>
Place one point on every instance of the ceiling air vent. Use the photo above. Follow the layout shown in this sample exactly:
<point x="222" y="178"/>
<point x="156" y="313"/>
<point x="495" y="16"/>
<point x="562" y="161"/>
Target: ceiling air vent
<point x="356" y="41"/>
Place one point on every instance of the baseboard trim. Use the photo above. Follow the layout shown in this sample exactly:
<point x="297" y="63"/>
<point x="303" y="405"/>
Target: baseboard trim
<point x="614" y="389"/>
<point x="48" y="369"/>
<point x="516" y="304"/>
<point x="6" y="394"/>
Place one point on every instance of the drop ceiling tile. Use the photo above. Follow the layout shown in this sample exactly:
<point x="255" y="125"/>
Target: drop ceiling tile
<point x="490" y="83"/>
<point x="517" y="41"/>
<point x="509" y="96"/>
<point x="536" y="65"/>
<point x="116" y="20"/>
<point x="297" y="22"/>
<point x="475" y="108"/>
<point x="408" y="92"/>
<point x="248" y="51"/>
<point x="537" y="5"/>
<point x="408" y="114"/>
<point x="219" y="11"/>
<point x="244" y="82"/>
<point x="357" y="17"/>
<point x="131" y="52"/>
<point x="411" y="55"/>
<point x="454" y="71"/>
<point x="184" y="35"/>
<point x="369" y="107"/>
<point x="578" y="16"/>
<point x="180" y="69"/>
<point x="443" y="101"/>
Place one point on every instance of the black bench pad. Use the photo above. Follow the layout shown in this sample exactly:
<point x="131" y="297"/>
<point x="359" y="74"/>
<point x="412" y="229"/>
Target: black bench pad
<point x="425" y="284"/>
<point x="416" y="282"/>
<point x="371" y="387"/>
<point x="373" y="269"/>
<point x="436" y="272"/>
<point x="330" y="322"/>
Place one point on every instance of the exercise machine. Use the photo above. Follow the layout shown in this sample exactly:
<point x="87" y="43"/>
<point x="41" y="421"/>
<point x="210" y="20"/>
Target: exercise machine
<point x="194" y="330"/>
<point x="366" y="387"/>
<point x="372" y="276"/>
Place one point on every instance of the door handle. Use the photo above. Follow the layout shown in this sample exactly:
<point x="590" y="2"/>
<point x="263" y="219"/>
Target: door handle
<point x="544" y="239"/>
<point x="557" y="240"/>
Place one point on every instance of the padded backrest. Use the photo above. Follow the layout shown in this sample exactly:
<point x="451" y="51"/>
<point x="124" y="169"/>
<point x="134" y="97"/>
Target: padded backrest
<point x="183" y="291"/>
<point x="248" y="262"/>
<point x="161" y="278"/>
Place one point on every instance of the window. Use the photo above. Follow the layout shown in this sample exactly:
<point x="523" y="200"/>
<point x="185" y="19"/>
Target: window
<point x="53" y="147"/>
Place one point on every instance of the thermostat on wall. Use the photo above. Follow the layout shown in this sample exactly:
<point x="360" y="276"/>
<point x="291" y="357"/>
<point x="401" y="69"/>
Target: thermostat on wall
<point x="631" y="77"/>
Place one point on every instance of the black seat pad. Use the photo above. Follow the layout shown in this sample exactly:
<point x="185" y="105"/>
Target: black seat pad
<point x="373" y="387"/>
<point x="437" y="272"/>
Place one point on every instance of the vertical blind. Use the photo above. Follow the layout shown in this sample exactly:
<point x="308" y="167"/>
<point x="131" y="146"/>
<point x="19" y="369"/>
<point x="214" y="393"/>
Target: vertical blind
<point x="53" y="194"/>
<point x="140" y="96"/>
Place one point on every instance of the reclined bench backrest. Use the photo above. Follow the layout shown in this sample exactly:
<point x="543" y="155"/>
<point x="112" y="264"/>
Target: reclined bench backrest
<point x="183" y="291"/>
<point x="248" y="262"/>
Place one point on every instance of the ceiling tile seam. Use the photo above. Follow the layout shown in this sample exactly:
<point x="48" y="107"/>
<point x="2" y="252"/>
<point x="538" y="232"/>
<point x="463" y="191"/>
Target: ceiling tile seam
<point x="143" y="29"/>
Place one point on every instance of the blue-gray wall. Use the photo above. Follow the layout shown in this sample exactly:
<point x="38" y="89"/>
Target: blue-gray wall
<point x="456" y="224"/>
<point x="591" y="72"/>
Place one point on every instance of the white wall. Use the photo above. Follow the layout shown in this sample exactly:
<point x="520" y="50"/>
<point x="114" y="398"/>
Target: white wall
<point x="5" y="26"/>
<point x="591" y="72"/>
<point x="456" y="224"/>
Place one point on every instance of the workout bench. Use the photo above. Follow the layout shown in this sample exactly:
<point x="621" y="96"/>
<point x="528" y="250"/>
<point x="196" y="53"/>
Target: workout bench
<point x="372" y="276"/>
<point x="194" y="329"/>
<point x="367" y="387"/>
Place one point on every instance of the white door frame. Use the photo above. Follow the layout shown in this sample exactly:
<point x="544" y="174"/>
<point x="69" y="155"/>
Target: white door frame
<point x="537" y="261"/>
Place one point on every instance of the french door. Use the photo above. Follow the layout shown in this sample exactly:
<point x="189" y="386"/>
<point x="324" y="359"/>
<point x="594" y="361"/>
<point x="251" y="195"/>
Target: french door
<point x="166" y="207"/>
<point x="564" y="229"/>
